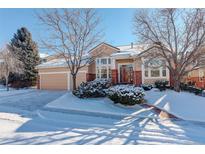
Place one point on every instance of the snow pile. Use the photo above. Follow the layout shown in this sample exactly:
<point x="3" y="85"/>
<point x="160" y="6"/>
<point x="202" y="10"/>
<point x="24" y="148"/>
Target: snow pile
<point x="187" y="106"/>
<point x="94" y="88"/>
<point x="126" y="94"/>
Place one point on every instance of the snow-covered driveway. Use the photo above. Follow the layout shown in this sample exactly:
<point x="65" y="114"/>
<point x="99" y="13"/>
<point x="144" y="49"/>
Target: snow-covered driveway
<point x="28" y="99"/>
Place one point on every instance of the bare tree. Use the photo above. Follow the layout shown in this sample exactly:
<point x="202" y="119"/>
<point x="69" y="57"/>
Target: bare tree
<point x="71" y="34"/>
<point x="9" y="64"/>
<point x="178" y="35"/>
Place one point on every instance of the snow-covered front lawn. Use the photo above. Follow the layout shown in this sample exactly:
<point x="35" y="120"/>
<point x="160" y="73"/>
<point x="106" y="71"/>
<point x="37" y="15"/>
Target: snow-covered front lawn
<point x="39" y="126"/>
<point x="95" y="106"/>
<point x="184" y="105"/>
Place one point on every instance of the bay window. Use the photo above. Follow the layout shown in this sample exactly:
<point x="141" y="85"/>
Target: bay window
<point x="155" y="68"/>
<point x="103" y="68"/>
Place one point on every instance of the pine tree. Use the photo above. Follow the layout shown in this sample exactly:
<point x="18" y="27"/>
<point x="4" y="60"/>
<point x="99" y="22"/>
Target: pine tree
<point x="26" y="50"/>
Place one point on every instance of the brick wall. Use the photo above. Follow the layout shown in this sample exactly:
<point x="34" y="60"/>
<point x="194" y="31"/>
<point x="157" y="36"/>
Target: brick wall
<point x="90" y="77"/>
<point x="114" y="76"/>
<point x="138" y="77"/>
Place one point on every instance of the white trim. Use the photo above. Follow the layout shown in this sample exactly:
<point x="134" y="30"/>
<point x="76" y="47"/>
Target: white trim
<point x="142" y="70"/>
<point x="113" y="63"/>
<point x="120" y="64"/>
<point x="149" y="73"/>
<point x="102" y="65"/>
<point x="42" y="73"/>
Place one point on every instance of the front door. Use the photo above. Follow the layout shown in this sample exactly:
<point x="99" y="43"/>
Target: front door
<point x="126" y="73"/>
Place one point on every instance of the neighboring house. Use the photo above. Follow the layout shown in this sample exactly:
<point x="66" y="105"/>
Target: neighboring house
<point x="197" y="77"/>
<point x="123" y="64"/>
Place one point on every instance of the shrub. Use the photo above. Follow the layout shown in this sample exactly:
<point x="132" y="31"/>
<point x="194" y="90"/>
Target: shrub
<point x="93" y="89"/>
<point x="184" y="86"/>
<point x="161" y="85"/>
<point x="126" y="94"/>
<point x="147" y="87"/>
<point x="190" y="88"/>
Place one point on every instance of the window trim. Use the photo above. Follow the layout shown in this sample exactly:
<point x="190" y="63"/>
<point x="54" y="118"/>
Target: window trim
<point x="149" y="71"/>
<point x="100" y="65"/>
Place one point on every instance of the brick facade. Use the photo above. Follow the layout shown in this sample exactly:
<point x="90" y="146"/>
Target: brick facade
<point x="199" y="82"/>
<point x="90" y="77"/>
<point x="137" y="78"/>
<point x="114" y="76"/>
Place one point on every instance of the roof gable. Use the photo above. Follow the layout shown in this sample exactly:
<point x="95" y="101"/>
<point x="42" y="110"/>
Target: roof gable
<point x="105" y="44"/>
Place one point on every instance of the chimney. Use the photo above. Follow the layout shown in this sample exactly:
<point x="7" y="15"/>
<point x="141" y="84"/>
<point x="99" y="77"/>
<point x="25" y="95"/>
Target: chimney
<point x="131" y="45"/>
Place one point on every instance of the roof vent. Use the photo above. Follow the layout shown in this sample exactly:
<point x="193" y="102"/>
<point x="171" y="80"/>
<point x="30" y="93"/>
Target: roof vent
<point x="131" y="45"/>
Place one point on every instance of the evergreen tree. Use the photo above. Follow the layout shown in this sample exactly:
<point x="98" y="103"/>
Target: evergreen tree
<point x="26" y="50"/>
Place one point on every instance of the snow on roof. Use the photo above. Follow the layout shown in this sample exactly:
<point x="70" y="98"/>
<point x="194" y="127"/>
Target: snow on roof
<point x="125" y="51"/>
<point x="130" y="51"/>
<point x="58" y="62"/>
<point x="135" y="47"/>
<point x="125" y="54"/>
<point x="43" y="55"/>
<point x="53" y="63"/>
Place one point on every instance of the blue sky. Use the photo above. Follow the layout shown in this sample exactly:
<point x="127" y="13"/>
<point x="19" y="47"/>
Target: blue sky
<point x="117" y="24"/>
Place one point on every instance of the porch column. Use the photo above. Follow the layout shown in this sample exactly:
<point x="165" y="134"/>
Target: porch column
<point x="114" y="71"/>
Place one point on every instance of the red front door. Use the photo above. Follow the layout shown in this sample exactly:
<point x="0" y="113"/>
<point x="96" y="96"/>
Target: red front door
<point x="126" y="73"/>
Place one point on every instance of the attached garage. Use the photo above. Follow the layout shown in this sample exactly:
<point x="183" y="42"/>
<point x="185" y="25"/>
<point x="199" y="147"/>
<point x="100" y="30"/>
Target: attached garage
<point x="55" y="81"/>
<point x="55" y="75"/>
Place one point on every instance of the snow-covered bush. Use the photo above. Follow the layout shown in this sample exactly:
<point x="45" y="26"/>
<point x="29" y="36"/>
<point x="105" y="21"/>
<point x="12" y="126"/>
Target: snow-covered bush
<point x="147" y="87"/>
<point x="161" y="84"/>
<point x="191" y="88"/>
<point x="93" y="89"/>
<point x="126" y="94"/>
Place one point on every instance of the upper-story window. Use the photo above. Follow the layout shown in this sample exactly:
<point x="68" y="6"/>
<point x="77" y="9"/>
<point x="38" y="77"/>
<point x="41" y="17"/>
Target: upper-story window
<point x="103" y="67"/>
<point x="155" y="68"/>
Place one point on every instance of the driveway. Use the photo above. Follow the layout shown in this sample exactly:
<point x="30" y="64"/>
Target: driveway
<point x="29" y="99"/>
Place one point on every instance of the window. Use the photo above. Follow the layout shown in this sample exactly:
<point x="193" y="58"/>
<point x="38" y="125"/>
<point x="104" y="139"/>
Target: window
<point x="103" y="72"/>
<point x="97" y="72"/>
<point x="201" y="73"/>
<point x="146" y="72"/>
<point x="155" y="68"/>
<point x="103" y="61"/>
<point x="155" y="73"/>
<point x="98" y="61"/>
<point x="109" y="72"/>
<point x="164" y="71"/>
<point x="103" y="68"/>
<point x="109" y="61"/>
